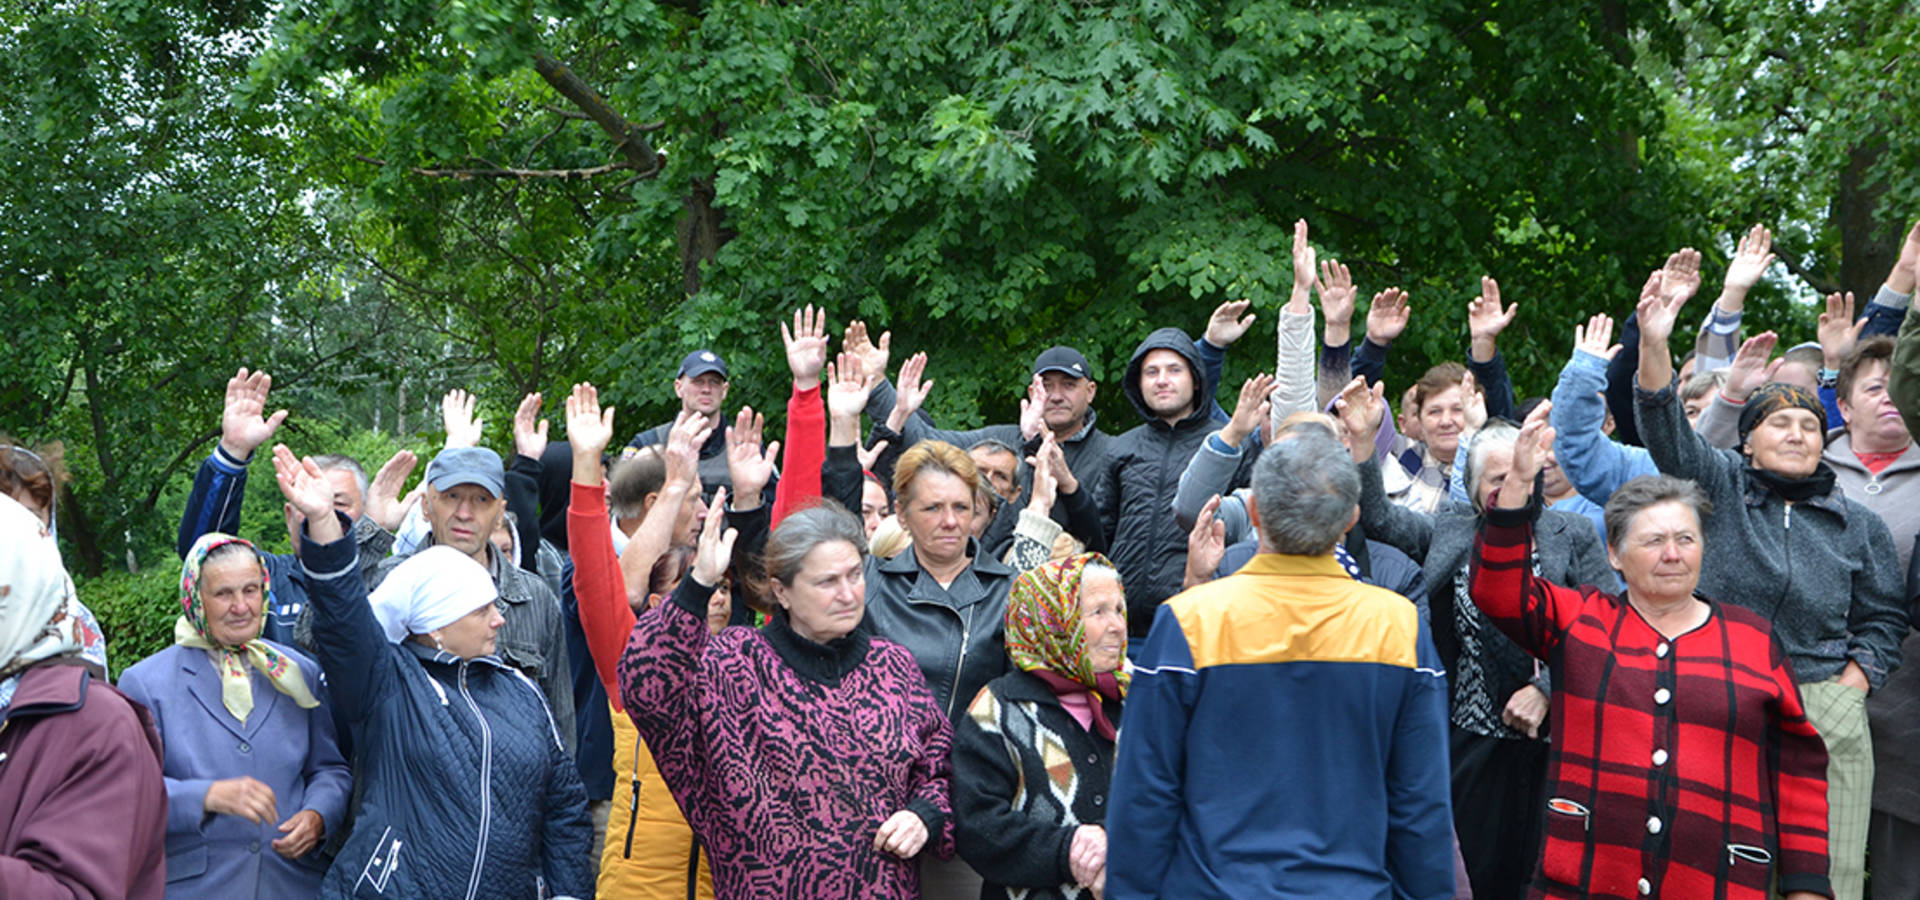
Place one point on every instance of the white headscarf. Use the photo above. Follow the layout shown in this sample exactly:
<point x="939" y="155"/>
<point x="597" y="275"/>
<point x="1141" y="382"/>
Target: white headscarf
<point x="35" y="593"/>
<point x="432" y="589"/>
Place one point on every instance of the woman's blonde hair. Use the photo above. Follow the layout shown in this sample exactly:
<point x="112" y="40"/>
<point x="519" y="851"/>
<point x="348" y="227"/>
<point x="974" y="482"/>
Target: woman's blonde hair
<point x="934" y="456"/>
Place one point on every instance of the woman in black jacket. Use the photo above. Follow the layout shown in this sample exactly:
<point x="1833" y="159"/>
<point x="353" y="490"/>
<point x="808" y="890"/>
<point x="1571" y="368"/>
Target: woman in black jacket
<point x="1031" y="827"/>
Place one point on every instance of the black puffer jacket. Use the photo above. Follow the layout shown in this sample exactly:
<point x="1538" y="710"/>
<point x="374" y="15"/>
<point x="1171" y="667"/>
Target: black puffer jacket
<point x="1144" y="539"/>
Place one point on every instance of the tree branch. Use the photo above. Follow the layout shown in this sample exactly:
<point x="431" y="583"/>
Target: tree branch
<point x="498" y="171"/>
<point x="627" y="138"/>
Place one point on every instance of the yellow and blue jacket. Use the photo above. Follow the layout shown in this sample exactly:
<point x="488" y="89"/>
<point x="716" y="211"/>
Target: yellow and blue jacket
<point x="1285" y="736"/>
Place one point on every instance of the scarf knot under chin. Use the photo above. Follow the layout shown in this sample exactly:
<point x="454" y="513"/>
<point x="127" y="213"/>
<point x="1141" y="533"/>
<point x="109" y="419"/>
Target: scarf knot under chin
<point x="190" y="630"/>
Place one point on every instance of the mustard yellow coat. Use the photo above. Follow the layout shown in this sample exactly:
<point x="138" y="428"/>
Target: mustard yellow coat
<point x="648" y="845"/>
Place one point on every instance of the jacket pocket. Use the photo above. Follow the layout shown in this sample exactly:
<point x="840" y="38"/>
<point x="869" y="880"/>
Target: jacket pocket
<point x="1750" y="864"/>
<point x="528" y="658"/>
<point x="188" y="863"/>
<point x="378" y="870"/>
<point x="1568" y="830"/>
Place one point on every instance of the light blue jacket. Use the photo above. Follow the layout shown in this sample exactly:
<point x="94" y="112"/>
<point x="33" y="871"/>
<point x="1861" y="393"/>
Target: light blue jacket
<point x="291" y="750"/>
<point x="1596" y="465"/>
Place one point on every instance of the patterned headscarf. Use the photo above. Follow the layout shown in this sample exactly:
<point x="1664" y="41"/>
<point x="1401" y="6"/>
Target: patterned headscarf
<point x="1775" y="396"/>
<point x="1044" y="631"/>
<point x="190" y="630"/>
<point x="35" y="594"/>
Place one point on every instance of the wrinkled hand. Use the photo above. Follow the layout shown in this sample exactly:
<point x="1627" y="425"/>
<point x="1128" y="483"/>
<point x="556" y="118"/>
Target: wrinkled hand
<point x="589" y="428"/>
<point x="303" y="484"/>
<point x="529" y="430"/>
<point x="848" y="386"/>
<point x="1337" y="293"/>
<point x="689" y="434"/>
<point x="873" y="356"/>
<point x="806" y="345"/>
<point x="1226" y="326"/>
<point x="1593" y="338"/>
<point x="715" y="547"/>
<point x="1031" y="409"/>
<point x="1041" y="496"/>
<point x="1303" y="258"/>
<point x="748" y="466"/>
<point x="1530" y="452"/>
<point x="1750" y="368"/>
<point x="1526" y="711"/>
<point x="1750" y="260"/>
<point x="1087" y="854"/>
<point x="456" y="413"/>
<point x="1838" y="330"/>
<point x="1206" y="544"/>
<point x="910" y="392"/>
<point x="1361" y="409"/>
<point x="1250" y="411"/>
<point x="1387" y="317"/>
<point x="383" y="504"/>
<point x="1680" y="277"/>
<point x="902" y="834"/>
<point x="242" y="428"/>
<point x="303" y="833"/>
<point x="246" y="797"/>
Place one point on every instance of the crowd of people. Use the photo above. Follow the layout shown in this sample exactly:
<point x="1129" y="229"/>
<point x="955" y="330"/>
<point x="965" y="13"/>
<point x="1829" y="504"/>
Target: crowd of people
<point x="1639" y="638"/>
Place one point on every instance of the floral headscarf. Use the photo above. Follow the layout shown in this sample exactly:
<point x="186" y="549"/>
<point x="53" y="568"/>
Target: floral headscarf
<point x="190" y="630"/>
<point x="1046" y="637"/>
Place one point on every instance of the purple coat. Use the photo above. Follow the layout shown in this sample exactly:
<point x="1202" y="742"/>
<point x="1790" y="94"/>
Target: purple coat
<point x="83" y="810"/>
<point x="787" y="756"/>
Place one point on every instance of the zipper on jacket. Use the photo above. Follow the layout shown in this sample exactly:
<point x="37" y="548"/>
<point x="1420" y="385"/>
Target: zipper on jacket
<point x="633" y="806"/>
<point x="966" y="637"/>
<point x="486" y="784"/>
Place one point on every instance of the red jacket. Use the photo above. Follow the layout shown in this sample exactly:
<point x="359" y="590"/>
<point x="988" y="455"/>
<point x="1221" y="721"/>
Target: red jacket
<point x="1678" y="765"/>
<point x="83" y="808"/>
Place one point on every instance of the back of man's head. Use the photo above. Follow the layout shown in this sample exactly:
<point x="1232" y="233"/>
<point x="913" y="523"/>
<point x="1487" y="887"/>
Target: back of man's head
<point x="1305" y="491"/>
<point x="632" y="480"/>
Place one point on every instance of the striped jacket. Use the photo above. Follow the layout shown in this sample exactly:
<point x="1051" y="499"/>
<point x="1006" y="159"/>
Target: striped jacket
<point x="1286" y="736"/>
<point x="1681" y="767"/>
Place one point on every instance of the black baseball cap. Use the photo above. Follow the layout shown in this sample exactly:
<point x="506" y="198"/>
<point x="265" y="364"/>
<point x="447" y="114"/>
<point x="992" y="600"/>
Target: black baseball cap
<point x="700" y="362"/>
<point x="1062" y="359"/>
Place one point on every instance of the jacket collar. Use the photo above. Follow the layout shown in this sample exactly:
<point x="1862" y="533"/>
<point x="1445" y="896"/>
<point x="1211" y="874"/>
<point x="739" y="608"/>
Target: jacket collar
<point x="1839" y="454"/>
<point x="203" y="682"/>
<point x="1283" y="564"/>
<point x="425" y="653"/>
<point x="906" y="563"/>
<point x="823" y="663"/>
<point x="47" y="689"/>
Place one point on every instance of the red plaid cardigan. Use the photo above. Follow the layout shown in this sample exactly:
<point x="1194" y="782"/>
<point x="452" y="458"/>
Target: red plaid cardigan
<point x="1680" y="768"/>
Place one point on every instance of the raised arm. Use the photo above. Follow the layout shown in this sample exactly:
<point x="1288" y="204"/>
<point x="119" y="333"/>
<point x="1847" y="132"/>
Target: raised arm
<point x="1362" y="409"/>
<point x="1533" y="611"/>
<point x="806" y="438"/>
<point x="848" y="386"/>
<point x="1486" y="319"/>
<point x="1595" y="465"/>
<point x="1720" y="333"/>
<point x="1295" y="385"/>
<point x="1212" y="469"/>
<point x="523" y="479"/>
<point x="655" y="536"/>
<point x="1387" y="318"/>
<point x="221" y="483"/>
<point x="348" y="641"/>
<point x="599" y="588"/>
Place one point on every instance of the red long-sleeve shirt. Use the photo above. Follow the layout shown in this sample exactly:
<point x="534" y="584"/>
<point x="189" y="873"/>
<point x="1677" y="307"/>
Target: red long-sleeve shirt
<point x="1678" y="764"/>
<point x="598" y="586"/>
<point x="806" y="451"/>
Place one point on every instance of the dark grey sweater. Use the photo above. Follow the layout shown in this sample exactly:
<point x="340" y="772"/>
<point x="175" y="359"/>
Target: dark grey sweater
<point x="1824" y="571"/>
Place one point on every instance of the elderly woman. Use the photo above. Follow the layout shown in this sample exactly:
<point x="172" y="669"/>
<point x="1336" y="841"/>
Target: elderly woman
<point x="83" y="810"/>
<point x="1497" y="695"/>
<point x="254" y="776"/>
<point x="467" y="790"/>
<point x="1033" y="827"/>
<point x="808" y="755"/>
<point x="1792" y="547"/>
<point x="1684" y="763"/>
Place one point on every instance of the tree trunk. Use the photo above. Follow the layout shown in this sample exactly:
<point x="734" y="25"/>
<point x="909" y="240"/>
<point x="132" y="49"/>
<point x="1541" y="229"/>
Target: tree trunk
<point x="1868" y="246"/>
<point x="80" y="531"/>
<point x="700" y="232"/>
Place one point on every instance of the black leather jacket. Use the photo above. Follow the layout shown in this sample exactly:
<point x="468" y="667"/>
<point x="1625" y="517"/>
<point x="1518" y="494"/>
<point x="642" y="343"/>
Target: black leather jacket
<point x="958" y="634"/>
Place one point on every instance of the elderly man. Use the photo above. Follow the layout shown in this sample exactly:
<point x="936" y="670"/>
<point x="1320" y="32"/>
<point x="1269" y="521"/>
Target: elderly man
<point x="221" y="483"/>
<point x="1288" y="665"/>
<point x="702" y="389"/>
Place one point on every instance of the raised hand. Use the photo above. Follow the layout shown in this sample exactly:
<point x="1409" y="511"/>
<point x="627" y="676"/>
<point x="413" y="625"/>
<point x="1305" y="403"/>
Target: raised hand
<point x="456" y="412"/>
<point x="910" y="392"/>
<point x="1303" y="260"/>
<point x="242" y="427"/>
<point x="1593" y="337"/>
<point x="309" y="493"/>
<point x="589" y="428"/>
<point x="869" y="455"/>
<point x="748" y="466"/>
<point x="1907" y="269"/>
<point x="1680" y="277"/>
<point x="1032" y="409"/>
<point x="1387" y="316"/>
<point x="684" y="440"/>
<point x="1226" y="326"/>
<point x="1838" y="331"/>
<point x="529" y="430"/>
<point x="1206" y="545"/>
<point x="806" y="346"/>
<point x="1250" y="411"/>
<point x="1750" y="260"/>
<point x="1530" y="452"/>
<point x="1361" y="409"/>
<point x="1750" y="368"/>
<point x="1657" y="313"/>
<point x="1337" y="294"/>
<point x="1041" y="496"/>
<point x="1486" y="319"/>
<point x="1475" y="401"/>
<point x="848" y="386"/>
<point x="873" y="356"/>
<point x="383" y="505"/>
<point x="715" y="548"/>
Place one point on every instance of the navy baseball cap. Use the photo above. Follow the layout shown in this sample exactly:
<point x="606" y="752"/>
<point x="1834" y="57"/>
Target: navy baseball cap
<point x="700" y="362"/>
<point x="1062" y="359"/>
<point x="468" y="465"/>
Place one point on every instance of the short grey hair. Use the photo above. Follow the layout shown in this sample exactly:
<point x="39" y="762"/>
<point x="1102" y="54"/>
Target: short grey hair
<point x="1493" y="436"/>
<point x="1305" y="489"/>
<point x="340" y="462"/>
<point x="1652" y="490"/>
<point x="800" y="532"/>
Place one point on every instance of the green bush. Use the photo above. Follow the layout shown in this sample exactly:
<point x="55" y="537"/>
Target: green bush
<point x="135" y="611"/>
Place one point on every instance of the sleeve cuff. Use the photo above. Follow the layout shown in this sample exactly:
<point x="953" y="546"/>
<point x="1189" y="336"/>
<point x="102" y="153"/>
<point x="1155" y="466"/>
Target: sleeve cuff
<point x="692" y="596"/>
<point x="1215" y="444"/>
<point x="1721" y="322"/>
<point x="1891" y="298"/>
<point x="1512" y="521"/>
<point x="931" y="815"/>
<point x="1816" y="882"/>
<point x="225" y="460"/>
<point x="1869" y="663"/>
<point x="332" y="560"/>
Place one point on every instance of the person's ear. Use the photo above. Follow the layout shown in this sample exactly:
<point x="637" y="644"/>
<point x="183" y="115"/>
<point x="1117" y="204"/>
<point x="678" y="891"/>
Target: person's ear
<point x="1353" y="519"/>
<point x="779" y="592"/>
<point x="1093" y="389"/>
<point x="1613" y="559"/>
<point x="1253" y="512"/>
<point x="647" y="503"/>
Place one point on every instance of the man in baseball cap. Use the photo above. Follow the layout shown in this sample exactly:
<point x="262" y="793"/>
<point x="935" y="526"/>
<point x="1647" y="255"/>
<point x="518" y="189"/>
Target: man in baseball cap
<point x="702" y="389"/>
